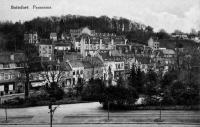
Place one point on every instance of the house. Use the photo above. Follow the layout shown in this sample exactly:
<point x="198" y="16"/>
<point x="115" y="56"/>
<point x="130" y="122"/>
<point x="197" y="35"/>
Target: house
<point x="145" y="63"/>
<point x="31" y="38"/>
<point x="46" y="48"/>
<point x="115" y="63"/>
<point x="88" y="70"/>
<point x="77" y="43"/>
<point x="44" y="72"/>
<point x="62" y="45"/>
<point x="53" y="36"/>
<point x="153" y="44"/>
<point x="120" y="40"/>
<point x="164" y="58"/>
<point x="77" y="70"/>
<point x="179" y="36"/>
<point x="79" y="32"/>
<point x="91" y="45"/>
<point x="11" y="65"/>
<point x="97" y="66"/>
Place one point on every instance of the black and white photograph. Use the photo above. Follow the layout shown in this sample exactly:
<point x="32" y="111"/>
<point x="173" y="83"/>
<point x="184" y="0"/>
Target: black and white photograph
<point x="99" y="63"/>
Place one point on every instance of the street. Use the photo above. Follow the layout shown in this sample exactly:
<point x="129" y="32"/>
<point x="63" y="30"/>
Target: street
<point x="92" y="113"/>
<point x="105" y="125"/>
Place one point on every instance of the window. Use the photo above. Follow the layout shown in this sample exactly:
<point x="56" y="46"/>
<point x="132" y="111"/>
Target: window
<point x="12" y="76"/>
<point x="49" y="47"/>
<point x="5" y="65"/>
<point x="73" y="72"/>
<point x="77" y="72"/>
<point x="1" y="76"/>
<point x="6" y="76"/>
<point x="81" y="71"/>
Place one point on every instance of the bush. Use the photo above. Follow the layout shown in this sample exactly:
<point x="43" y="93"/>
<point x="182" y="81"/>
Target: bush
<point x="93" y="90"/>
<point x="14" y="101"/>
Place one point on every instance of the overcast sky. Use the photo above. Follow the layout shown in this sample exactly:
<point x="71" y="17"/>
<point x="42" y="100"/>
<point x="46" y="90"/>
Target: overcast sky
<point x="167" y="14"/>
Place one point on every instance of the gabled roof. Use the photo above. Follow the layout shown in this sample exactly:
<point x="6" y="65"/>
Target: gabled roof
<point x="65" y="66"/>
<point x="76" y="63"/>
<point x="94" y="61"/>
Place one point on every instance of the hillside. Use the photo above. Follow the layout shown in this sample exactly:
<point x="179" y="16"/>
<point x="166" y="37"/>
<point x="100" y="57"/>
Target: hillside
<point x="171" y="44"/>
<point x="12" y="33"/>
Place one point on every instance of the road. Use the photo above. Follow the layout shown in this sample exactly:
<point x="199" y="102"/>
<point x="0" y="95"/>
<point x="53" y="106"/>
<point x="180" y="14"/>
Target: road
<point x="105" y="125"/>
<point x="93" y="113"/>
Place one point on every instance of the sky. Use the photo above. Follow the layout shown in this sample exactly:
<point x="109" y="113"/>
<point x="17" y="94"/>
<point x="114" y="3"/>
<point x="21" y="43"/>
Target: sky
<point x="160" y="14"/>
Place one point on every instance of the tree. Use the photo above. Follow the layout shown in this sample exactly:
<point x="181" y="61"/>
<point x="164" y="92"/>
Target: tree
<point x="79" y="86"/>
<point x="162" y="34"/>
<point x="30" y="52"/>
<point x="136" y="79"/>
<point x="94" y="90"/>
<point x="151" y="87"/>
<point x="54" y="75"/>
<point x="132" y="77"/>
<point x="140" y="81"/>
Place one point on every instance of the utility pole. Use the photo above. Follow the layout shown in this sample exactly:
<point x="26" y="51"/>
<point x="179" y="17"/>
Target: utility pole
<point x="108" y="109"/>
<point x="6" y="114"/>
<point x="52" y="113"/>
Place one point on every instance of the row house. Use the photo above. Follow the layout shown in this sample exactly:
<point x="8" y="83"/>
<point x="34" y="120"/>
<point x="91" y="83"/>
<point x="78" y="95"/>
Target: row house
<point x="11" y="66"/>
<point x="145" y="63"/>
<point x="115" y="63"/>
<point x="91" y="45"/>
<point x="165" y="58"/>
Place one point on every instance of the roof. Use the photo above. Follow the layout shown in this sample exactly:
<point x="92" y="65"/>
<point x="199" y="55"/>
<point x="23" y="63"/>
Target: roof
<point x="53" y="34"/>
<point x="8" y="57"/>
<point x="65" y="66"/>
<point x="95" y="61"/>
<point x="63" y="43"/>
<point x="107" y="57"/>
<point x="144" y="60"/>
<point x="72" y="56"/>
<point x="45" y="42"/>
<point x="76" y="63"/>
<point x="168" y="51"/>
<point x="87" y="64"/>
